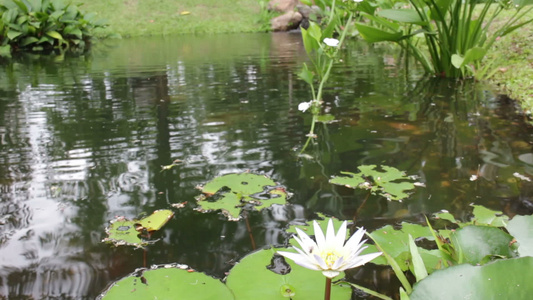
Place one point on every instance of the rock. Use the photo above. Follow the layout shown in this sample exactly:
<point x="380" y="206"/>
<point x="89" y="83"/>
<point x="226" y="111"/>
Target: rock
<point x="287" y="21"/>
<point x="282" y="5"/>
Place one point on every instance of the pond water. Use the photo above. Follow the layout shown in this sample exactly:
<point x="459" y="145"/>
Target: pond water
<point x="83" y="139"/>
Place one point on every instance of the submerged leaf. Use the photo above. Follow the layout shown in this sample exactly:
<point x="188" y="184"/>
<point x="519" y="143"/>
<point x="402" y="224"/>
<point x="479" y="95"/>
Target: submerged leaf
<point x="390" y="183"/>
<point x="230" y="193"/>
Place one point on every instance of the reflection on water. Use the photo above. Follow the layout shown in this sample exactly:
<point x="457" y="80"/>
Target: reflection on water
<point x="83" y="139"/>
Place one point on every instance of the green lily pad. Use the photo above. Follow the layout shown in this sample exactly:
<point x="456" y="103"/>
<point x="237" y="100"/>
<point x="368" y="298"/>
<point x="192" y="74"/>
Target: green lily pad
<point x="502" y="279"/>
<point x="521" y="228"/>
<point x="396" y="243"/>
<point x="122" y="231"/>
<point x="480" y="243"/>
<point x="250" y="279"/>
<point x="485" y="216"/>
<point x="230" y="193"/>
<point x="390" y="183"/>
<point x="167" y="283"/>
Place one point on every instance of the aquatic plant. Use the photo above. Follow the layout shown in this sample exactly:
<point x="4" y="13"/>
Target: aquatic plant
<point x="455" y="32"/>
<point x="37" y="25"/>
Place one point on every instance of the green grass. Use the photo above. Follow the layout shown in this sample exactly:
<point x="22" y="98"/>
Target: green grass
<point x="512" y="56"/>
<point x="130" y="18"/>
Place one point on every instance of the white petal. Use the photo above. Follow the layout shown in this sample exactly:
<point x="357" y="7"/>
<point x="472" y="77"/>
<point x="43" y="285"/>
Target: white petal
<point x="361" y="260"/>
<point x="307" y="243"/>
<point x="330" y="236"/>
<point x="330" y="273"/>
<point x="300" y="260"/>
<point x="320" y="262"/>
<point x="319" y="235"/>
<point x="355" y="239"/>
<point x="304" y="106"/>
<point x="341" y="235"/>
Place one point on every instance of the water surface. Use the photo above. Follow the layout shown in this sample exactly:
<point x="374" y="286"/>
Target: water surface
<point x="83" y="139"/>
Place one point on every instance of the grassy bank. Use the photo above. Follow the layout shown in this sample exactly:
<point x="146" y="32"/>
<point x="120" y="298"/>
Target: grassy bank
<point x="512" y="56"/>
<point x="165" y="17"/>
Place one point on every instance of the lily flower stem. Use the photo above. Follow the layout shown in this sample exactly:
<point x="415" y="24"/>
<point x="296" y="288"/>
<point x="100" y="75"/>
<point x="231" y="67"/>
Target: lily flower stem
<point x="327" y="294"/>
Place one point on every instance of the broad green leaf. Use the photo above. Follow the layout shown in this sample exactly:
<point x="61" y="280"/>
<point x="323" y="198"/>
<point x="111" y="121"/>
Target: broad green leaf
<point x="310" y="44"/>
<point x="306" y="75"/>
<point x="230" y="192"/>
<point x="419" y="269"/>
<point x="474" y="54"/>
<point x="479" y="243"/>
<point x="54" y="34"/>
<point x="22" y="6"/>
<point x="315" y="32"/>
<point x="457" y="61"/>
<point x="389" y="182"/>
<point x="502" y="279"/>
<point x="5" y="51"/>
<point x="250" y="279"/>
<point x="374" y="35"/>
<point x="445" y="215"/>
<point x="169" y="283"/>
<point x="12" y="34"/>
<point x="521" y="228"/>
<point x="122" y="231"/>
<point x="401" y="15"/>
<point x="28" y="40"/>
<point x="156" y="220"/>
<point x="485" y="216"/>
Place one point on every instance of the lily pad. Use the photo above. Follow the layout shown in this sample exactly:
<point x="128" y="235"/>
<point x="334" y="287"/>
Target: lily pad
<point x="485" y="216"/>
<point x="479" y="243"/>
<point x="230" y="193"/>
<point x="250" y="279"/>
<point x="167" y="283"/>
<point x="122" y="231"/>
<point x="502" y="279"/>
<point x="521" y="228"/>
<point x="396" y="243"/>
<point x="388" y="182"/>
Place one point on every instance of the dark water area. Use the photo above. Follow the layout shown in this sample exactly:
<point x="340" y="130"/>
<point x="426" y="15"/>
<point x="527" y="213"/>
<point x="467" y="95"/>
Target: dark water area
<point x="83" y="140"/>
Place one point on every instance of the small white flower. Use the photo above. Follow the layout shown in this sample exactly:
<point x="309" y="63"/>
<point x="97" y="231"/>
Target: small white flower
<point x="330" y="254"/>
<point x="473" y="178"/>
<point x="304" y="106"/>
<point x="331" y="42"/>
<point x="357" y="1"/>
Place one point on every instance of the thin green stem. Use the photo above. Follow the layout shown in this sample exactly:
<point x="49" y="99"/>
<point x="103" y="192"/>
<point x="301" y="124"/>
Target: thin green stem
<point x="369" y="291"/>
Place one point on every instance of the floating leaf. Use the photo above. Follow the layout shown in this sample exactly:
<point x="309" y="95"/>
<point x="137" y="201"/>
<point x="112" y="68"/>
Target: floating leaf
<point x="390" y="183"/>
<point x="502" y="279"/>
<point x="396" y="243"/>
<point x="521" y="228"/>
<point x="485" y="216"/>
<point x="250" y="279"/>
<point x="230" y="193"/>
<point x="122" y="231"/>
<point x="480" y="243"/>
<point x="167" y="282"/>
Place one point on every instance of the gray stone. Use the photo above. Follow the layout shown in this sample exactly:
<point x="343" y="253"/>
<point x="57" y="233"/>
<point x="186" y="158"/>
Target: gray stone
<point x="282" y="5"/>
<point x="287" y="21"/>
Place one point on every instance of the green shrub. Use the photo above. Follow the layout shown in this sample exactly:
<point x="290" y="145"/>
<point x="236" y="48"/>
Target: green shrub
<point x="39" y="25"/>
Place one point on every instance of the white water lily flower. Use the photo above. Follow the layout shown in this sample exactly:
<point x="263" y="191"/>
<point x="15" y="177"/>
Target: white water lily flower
<point x="331" y="42"/>
<point x="304" y="106"/>
<point x="329" y="253"/>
